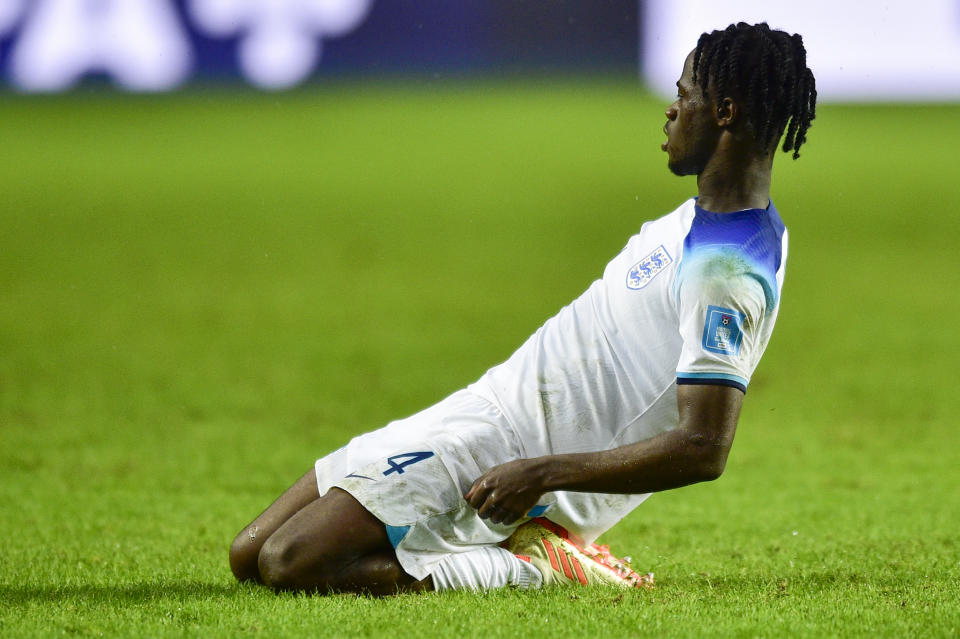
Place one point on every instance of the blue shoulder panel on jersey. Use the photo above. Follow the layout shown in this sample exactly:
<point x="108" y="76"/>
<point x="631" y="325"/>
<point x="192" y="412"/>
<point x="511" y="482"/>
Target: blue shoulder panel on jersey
<point x="753" y="238"/>
<point x="713" y="379"/>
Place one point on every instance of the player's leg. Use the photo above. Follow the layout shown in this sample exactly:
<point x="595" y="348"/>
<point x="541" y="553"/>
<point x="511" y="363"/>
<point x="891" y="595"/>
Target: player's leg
<point x="391" y="476"/>
<point x="245" y="550"/>
<point x="334" y="543"/>
<point x="361" y="558"/>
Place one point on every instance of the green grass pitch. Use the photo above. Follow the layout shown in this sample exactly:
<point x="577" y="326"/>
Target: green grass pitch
<point x="199" y="294"/>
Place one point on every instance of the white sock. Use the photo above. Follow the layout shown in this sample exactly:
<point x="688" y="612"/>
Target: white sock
<point x="484" y="568"/>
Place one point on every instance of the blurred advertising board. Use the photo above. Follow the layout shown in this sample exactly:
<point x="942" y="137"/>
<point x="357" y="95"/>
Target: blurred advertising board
<point x="898" y="50"/>
<point x="160" y="45"/>
<point x="905" y="50"/>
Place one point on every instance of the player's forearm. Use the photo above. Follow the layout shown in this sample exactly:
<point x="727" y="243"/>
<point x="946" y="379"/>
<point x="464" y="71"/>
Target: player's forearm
<point x="694" y="452"/>
<point x="669" y="460"/>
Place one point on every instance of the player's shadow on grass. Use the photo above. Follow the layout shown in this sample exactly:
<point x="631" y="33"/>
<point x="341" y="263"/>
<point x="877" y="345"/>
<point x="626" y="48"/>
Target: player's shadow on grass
<point x="133" y="594"/>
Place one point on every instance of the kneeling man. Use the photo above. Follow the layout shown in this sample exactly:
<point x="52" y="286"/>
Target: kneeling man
<point x="633" y="388"/>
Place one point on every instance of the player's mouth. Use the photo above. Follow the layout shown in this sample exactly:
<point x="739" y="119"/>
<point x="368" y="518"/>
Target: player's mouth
<point x="663" y="147"/>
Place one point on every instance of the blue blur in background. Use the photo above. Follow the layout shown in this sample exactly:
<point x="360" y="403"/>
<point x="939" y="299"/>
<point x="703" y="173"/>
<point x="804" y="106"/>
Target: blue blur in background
<point x="419" y="37"/>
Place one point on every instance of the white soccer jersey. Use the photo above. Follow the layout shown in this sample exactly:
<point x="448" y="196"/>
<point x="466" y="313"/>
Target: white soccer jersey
<point x="692" y="299"/>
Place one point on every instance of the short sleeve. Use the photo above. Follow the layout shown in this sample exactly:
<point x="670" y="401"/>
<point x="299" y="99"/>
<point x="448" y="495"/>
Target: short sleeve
<point x="728" y="293"/>
<point x="722" y="308"/>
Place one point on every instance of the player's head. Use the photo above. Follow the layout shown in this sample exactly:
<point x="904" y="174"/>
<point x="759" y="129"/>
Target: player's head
<point x="747" y="80"/>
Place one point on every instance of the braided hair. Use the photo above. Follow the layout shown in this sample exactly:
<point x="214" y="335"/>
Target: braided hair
<point x="765" y="70"/>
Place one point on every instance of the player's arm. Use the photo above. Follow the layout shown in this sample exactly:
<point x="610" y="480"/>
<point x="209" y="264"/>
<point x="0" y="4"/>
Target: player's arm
<point x="696" y="451"/>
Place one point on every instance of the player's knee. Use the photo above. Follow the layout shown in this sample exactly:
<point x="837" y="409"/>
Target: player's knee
<point x="282" y="564"/>
<point x="243" y="557"/>
<point x="274" y="564"/>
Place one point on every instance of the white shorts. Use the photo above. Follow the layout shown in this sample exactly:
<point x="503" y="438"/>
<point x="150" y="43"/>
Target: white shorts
<point x="412" y="475"/>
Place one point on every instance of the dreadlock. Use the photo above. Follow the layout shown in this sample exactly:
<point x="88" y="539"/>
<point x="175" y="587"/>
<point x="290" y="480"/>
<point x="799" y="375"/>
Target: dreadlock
<point x="766" y="71"/>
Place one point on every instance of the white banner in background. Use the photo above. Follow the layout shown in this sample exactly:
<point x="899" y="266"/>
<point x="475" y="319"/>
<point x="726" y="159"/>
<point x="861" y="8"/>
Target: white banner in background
<point x="280" y="43"/>
<point x="138" y="42"/>
<point x="857" y="50"/>
<point x="144" y="46"/>
<point x="9" y="13"/>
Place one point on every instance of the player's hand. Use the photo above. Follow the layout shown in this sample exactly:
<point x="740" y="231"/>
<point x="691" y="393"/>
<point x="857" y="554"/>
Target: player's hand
<point x="507" y="492"/>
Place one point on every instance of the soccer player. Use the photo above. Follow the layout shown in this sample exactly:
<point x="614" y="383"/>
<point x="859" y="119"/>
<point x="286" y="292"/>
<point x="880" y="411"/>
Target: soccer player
<point x="633" y="388"/>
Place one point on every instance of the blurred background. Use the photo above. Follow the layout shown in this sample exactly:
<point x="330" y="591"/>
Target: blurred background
<point x="894" y="51"/>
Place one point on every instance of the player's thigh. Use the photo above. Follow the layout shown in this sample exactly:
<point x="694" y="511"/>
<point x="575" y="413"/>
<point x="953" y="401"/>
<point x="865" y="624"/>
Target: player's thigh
<point x="321" y="543"/>
<point x="245" y="550"/>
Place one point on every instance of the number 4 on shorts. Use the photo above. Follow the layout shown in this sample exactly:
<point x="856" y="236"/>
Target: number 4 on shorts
<point x="408" y="459"/>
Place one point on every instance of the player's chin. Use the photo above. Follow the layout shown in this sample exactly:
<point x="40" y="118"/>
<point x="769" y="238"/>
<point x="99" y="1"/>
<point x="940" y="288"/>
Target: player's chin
<point x="676" y="168"/>
<point x="679" y="167"/>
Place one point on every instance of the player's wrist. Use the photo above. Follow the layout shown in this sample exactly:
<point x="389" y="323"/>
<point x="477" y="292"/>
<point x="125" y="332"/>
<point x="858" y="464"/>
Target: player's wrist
<point x="552" y="472"/>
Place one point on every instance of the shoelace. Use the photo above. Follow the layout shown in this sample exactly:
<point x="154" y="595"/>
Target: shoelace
<point x="602" y="554"/>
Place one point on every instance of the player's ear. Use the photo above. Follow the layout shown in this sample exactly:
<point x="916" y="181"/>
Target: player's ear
<point x="727" y="111"/>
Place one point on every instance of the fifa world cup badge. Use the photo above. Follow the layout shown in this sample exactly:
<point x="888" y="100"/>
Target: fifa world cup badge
<point x="723" y="331"/>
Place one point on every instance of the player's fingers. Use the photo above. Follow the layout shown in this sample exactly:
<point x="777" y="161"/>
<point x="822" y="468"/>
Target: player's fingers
<point x="515" y="511"/>
<point x="476" y="495"/>
<point x="499" y="515"/>
<point x="479" y="493"/>
<point x="486" y="508"/>
<point x="492" y="510"/>
<point x="480" y="499"/>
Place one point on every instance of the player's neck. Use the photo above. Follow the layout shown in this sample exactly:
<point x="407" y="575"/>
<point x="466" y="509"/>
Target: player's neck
<point x="734" y="182"/>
